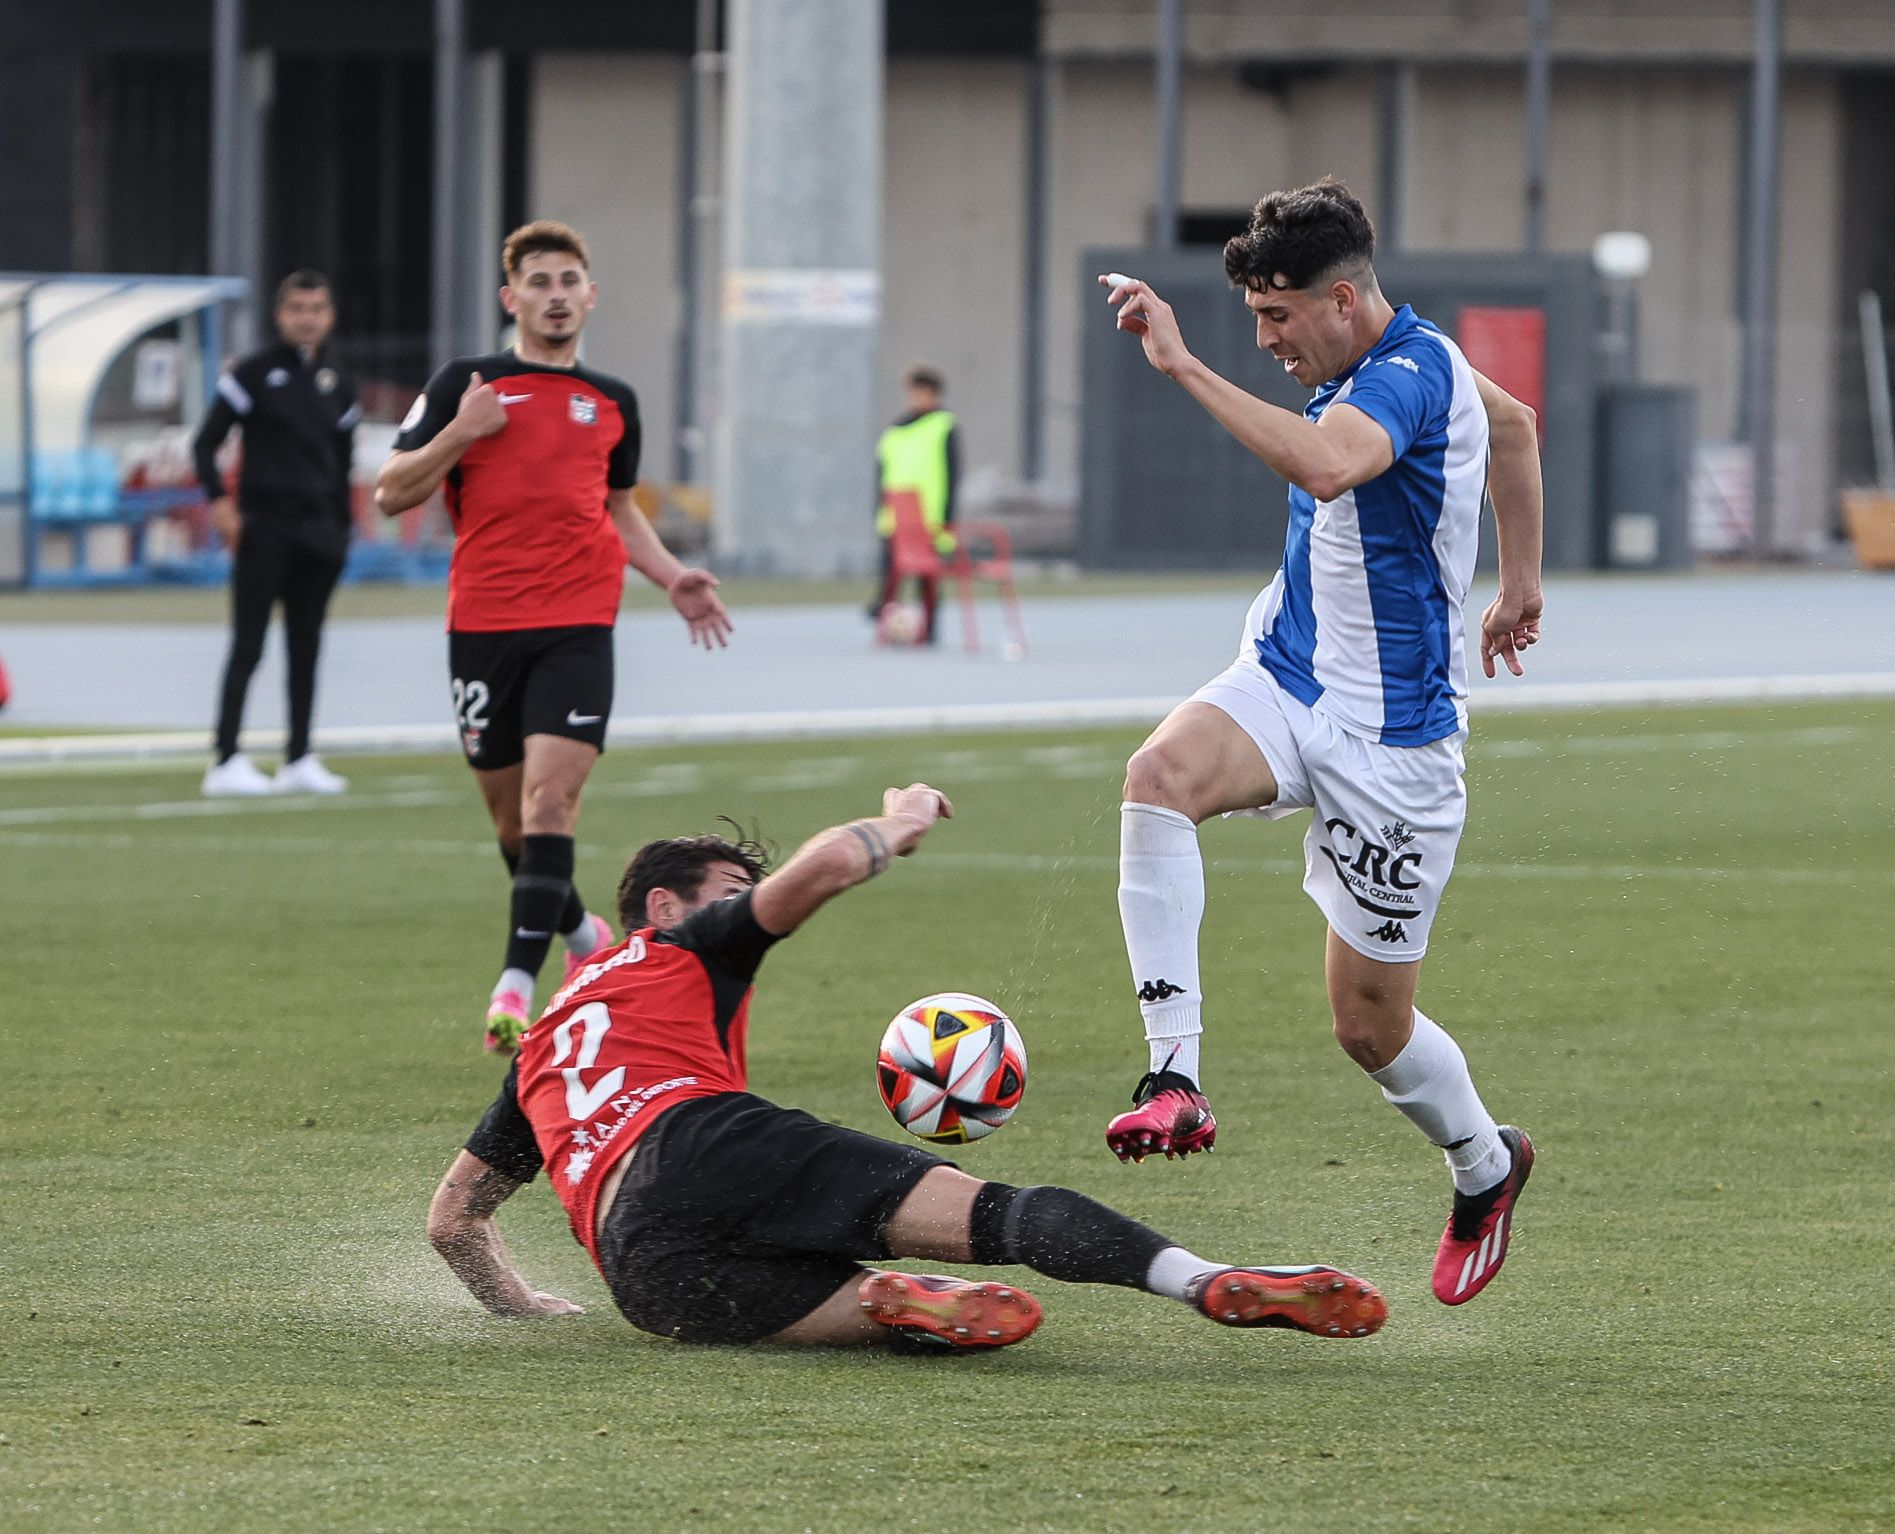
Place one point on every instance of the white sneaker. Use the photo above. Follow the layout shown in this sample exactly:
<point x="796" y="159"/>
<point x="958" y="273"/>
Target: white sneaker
<point x="307" y="775"/>
<point x="237" y="778"/>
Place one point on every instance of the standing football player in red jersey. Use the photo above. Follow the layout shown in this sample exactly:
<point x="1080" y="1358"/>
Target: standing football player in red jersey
<point x="716" y="1216"/>
<point x="539" y="456"/>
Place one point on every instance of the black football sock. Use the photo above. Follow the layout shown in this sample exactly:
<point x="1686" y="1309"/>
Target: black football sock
<point x="542" y="884"/>
<point x="573" y="916"/>
<point x="1063" y="1234"/>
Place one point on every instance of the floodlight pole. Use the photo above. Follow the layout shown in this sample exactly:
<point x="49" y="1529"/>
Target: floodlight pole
<point x="1170" y="94"/>
<point x="1760" y="263"/>
<point x="1539" y="109"/>
<point x="450" y="35"/>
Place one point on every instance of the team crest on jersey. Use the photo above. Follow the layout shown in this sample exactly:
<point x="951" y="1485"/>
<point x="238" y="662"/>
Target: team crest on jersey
<point x="585" y="409"/>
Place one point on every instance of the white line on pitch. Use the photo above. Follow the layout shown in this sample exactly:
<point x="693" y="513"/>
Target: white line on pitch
<point x="1024" y="862"/>
<point x="1691" y="740"/>
<point x="192" y="809"/>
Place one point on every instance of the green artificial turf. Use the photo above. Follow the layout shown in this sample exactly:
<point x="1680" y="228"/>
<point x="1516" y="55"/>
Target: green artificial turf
<point x="243" y="1044"/>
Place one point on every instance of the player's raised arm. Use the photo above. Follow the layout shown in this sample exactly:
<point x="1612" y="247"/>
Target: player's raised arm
<point x="1512" y="619"/>
<point x="1346" y="450"/>
<point x="432" y="441"/>
<point x="461" y="1228"/>
<point x="844" y="856"/>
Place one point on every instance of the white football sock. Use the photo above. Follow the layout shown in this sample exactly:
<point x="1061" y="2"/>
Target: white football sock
<point x="1174" y="1270"/>
<point x="583" y="941"/>
<point x="1429" y="1083"/>
<point x="1161" y="904"/>
<point x="515" y="980"/>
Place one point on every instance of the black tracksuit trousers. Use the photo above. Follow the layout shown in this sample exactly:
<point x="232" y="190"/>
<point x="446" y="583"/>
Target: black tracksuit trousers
<point x="296" y="562"/>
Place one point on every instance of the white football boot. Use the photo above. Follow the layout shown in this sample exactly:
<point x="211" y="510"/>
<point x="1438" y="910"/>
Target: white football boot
<point x="238" y="778"/>
<point x="307" y="775"/>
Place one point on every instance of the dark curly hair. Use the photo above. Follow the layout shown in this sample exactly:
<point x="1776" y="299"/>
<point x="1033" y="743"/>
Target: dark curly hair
<point x="679" y="864"/>
<point x="1297" y="237"/>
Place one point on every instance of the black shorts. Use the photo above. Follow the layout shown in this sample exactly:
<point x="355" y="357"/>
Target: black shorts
<point x="522" y="682"/>
<point x="737" y="1218"/>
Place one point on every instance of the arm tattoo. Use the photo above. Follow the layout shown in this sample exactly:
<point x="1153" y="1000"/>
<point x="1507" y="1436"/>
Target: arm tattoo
<point x="873" y="843"/>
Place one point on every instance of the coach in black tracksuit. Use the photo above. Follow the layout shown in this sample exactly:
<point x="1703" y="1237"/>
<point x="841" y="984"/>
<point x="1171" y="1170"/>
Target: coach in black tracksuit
<point x="288" y="525"/>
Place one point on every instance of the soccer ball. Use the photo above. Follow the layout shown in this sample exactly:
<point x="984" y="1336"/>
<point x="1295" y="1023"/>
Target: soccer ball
<point x="952" y="1068"/>
<point x="901" y="623"/>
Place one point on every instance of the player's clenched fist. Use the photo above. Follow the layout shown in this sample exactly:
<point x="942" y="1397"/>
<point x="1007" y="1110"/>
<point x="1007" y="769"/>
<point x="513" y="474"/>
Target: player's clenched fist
<point x="480" y="414"/>
<point x="920" y="805"/>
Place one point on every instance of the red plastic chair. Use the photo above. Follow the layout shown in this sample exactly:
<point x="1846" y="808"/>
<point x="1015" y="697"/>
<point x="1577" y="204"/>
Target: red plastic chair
<point x="912" y="553"/>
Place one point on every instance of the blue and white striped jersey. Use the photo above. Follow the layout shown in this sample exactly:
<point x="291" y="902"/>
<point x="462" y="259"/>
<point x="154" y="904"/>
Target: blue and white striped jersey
<point x="1363" y="622"/>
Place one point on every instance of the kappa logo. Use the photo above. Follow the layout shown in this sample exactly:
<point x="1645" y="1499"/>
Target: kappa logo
<point x="1402" y="362"/>
<point x="585" y="409"/>
<point x="1390" y="932"/>
<point x="1158" y="990"/>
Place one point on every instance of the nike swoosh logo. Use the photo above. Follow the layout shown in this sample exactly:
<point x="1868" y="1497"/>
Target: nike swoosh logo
<point x="514" y="399"/>
<point x="573" y="718"/>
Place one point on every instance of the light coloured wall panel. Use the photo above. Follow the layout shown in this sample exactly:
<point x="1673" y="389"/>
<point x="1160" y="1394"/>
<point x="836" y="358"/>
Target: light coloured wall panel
<point x="603" y="156"/>
<point x="1238" y="144"/>
<point x="953" y="242"/>
<point x="1423" y="31"/>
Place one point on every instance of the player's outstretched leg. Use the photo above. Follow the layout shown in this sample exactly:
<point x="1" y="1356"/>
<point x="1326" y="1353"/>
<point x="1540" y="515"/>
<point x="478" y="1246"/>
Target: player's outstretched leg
<point x="1065" y="1235"/>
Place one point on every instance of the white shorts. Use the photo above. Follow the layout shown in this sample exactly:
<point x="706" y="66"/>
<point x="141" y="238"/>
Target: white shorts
<point x="1387" y="819"/>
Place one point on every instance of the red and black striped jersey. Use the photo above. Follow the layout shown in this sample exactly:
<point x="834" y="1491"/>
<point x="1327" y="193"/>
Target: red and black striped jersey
<point x="534" y="544"/>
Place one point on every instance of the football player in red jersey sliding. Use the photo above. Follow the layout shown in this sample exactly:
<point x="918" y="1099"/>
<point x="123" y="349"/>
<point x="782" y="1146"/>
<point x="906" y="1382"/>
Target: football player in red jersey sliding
<point x="539" y="456"/>
<point x="716" y="1216"/>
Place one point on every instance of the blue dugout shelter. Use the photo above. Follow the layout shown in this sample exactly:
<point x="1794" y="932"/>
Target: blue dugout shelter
<point x="60" y="337"/>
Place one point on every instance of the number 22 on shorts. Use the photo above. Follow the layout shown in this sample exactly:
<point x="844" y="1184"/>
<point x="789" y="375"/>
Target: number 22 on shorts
<point x="470" y="704"/>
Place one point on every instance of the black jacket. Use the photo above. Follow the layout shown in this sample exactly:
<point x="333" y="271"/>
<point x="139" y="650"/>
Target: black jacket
<point x="298" y="416"/>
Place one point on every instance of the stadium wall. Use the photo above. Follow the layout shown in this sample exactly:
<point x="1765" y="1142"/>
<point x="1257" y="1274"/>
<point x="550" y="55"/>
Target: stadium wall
<point x="1653" y="148"/>
<point x="603" y="154"/>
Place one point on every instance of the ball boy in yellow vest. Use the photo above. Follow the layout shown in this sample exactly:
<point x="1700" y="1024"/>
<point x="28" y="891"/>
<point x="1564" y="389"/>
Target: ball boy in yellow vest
<point x="920" y="452"/>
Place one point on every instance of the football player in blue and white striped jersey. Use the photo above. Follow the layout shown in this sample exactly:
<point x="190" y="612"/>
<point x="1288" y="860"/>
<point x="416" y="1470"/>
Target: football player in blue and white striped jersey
<point x="1348" y="694"/>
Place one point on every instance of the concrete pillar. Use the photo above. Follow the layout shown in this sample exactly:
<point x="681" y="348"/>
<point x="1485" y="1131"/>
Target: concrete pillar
<point x="795" y="486"/>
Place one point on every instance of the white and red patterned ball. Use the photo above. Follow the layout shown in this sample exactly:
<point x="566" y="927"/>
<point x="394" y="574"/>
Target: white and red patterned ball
<point x="952" y="1068"/>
